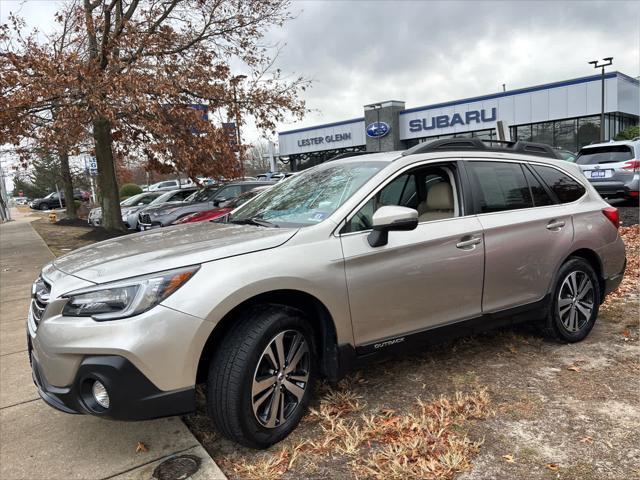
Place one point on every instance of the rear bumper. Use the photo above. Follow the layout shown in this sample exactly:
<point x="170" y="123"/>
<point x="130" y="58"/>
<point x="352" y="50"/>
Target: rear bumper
<point x="613" y="282"/>
<point x="617" y="189"/>
<point x="131" y="395"/>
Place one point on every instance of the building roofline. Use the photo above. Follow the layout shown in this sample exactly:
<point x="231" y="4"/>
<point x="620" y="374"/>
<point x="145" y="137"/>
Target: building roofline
<point x="518" y="91"/>
<point x="324" y="125"/>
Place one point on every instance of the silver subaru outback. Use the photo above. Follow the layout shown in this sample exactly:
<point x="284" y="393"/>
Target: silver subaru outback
<point x="348" y="259"/>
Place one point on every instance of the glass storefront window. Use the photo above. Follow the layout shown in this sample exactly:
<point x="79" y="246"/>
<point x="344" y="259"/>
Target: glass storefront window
<point x="588" y="130"/>
<point x="523" y="132"/>
<point x="565" y="133"/>
<point x="542" y="133"/>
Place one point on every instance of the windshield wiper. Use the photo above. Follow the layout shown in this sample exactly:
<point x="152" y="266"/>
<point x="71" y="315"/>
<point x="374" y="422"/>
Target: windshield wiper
<point x="254" y="221"/>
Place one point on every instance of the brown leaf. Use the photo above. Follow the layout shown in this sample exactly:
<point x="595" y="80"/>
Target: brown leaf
<point x="509" y="458"/>
<point x="141" y="448"/>
<point x="587" y="439"/>
<point x="573" y="368"/>
<point x="626" y="333"/>
<point x="552" y="466"/>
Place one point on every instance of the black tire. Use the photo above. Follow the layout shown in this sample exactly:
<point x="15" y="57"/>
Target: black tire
<point x="560" y="323"/>
<point x="43" y="206"/>
<point x="238" y="360"/>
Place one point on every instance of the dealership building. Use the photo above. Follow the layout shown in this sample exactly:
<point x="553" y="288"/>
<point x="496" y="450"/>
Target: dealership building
<point x="563" y="114"/>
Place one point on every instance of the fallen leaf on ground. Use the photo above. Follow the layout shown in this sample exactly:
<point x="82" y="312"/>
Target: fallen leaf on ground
<point x="586" y="440"/>
<point x="552" y="466"/>
<point x="508" y="458"/>
<point x="141" y="448"/>
<point x="573" y="368"/>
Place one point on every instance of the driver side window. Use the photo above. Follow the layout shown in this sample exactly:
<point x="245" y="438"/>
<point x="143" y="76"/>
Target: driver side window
<point x="427" y="190"/>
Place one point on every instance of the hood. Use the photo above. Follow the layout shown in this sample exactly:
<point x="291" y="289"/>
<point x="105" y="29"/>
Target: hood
<point x="167" y="248"/>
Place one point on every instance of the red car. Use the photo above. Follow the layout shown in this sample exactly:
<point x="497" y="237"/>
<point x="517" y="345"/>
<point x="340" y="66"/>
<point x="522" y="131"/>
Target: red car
<point x="221" y="211"/>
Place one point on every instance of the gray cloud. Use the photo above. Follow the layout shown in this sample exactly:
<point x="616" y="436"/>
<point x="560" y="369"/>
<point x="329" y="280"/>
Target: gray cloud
<point x="358" y="52"/>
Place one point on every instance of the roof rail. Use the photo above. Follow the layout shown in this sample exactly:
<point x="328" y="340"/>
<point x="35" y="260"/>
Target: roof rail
<point x="476" y="144"/>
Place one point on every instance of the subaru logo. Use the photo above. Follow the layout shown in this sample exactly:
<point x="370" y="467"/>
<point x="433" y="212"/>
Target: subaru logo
<point x="378" y="129"/>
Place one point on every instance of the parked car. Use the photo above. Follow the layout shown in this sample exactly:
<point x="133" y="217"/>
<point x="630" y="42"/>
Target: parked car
<point x="50" y="201"/>
<point x="130" y="214"/>
<point x="136" y="201"/>
<point x="204" y="199"/>
<point x="274" y="176"/>
<point x="164" y="185"/>
<point x="350" y="258"/>
<point x="208" y="215"/>
<point x="563" y="154"/>
<point x="21" y="200"/>
<point x="613" y="168"/>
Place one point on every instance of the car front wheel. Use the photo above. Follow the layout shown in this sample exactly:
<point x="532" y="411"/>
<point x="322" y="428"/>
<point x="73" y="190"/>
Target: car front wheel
<point x="261" y="377"/>
<point x="43" y="206"/>
<point x="576" y="299"/>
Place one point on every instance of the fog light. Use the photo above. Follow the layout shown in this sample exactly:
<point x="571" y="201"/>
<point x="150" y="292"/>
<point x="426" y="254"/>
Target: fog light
<point x="100" y="394"/>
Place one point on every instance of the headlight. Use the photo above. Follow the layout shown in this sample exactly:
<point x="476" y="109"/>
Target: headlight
<point x="126" y="298"/>
<point x="127" y="212"/>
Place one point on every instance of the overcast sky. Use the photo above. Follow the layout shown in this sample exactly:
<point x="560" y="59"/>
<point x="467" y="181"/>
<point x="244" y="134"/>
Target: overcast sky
<point x="422" y="52"/>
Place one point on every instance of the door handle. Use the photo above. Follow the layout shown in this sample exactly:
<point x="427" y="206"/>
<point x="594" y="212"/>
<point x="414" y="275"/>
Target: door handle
<point x="555" y="225"/>
<point x="469" y="244"/>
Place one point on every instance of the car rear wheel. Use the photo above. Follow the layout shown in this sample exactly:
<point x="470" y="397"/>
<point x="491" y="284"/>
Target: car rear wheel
<point x="576" y="299"/>
<point x="261" y="376"/>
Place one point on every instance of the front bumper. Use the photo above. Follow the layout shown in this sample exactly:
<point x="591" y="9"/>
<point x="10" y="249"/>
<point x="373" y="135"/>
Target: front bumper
<point x="131" y="395"/>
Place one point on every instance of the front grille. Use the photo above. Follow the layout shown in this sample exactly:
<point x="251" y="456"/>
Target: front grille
<point x="40" y="293"/>
<point x="144" y="218"/>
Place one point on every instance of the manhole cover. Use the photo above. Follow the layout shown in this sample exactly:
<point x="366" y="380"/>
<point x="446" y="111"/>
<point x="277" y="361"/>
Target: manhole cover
<point x="177" y="468"/>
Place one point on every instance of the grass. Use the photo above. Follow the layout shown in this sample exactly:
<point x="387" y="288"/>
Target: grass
<point x="427" y="442"/>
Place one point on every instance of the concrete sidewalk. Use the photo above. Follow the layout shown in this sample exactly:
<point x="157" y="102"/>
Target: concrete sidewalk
<point x="38" y="442"/>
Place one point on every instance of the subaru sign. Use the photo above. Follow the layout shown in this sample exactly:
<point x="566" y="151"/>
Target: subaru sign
<point x="378" y="129"/>
<point x="444" y="121"/>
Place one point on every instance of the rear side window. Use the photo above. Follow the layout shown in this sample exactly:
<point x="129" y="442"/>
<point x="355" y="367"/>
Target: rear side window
<point x="539" y="193"/>
<point x="500" y="186"/>
<point x="566" y="188"/>
<point x="606" y="154"/>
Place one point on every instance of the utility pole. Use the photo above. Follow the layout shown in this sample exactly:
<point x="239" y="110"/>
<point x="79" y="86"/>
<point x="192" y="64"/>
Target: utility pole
<point x="596" y="64"/>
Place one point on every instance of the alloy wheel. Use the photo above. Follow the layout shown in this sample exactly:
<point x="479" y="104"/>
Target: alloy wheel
<point x="281" y="378"/>
<point x="576" y="301"/>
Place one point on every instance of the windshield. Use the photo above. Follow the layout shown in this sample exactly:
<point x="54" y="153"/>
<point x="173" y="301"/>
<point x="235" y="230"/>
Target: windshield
<point x="162" y="198"/>
<point x="203" y="195"/>
<point x="310" y="197"/>
<point x="606" y="154"/>
<point x="136" y="199"/>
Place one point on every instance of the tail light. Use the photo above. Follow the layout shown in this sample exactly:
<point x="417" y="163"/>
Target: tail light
<point x="612" y="214"/>
<point x="632" y="165"/>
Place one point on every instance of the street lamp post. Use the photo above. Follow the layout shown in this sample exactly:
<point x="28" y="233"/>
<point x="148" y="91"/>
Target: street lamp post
<point x="234" y="82"/>
<point x="596" y="64"/>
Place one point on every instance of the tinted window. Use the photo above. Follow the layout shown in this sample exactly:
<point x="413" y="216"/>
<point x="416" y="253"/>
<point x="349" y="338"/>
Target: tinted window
<point x="540" y="195"/>
<point x="606" y="154"/>
<point x="229" y="192"/>
<point x="565" y="187"/>
<point x="500" y="186"/>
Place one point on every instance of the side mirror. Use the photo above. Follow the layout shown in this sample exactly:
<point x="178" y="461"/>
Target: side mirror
<point x="389" y="218"/>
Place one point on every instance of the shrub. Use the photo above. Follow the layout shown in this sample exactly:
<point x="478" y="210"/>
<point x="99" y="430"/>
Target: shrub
<point x="129" y="190"/>
<point x="629" y="134"/>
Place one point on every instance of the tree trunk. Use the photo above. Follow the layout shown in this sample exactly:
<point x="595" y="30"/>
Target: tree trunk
<point x="67" y="186"/>
<point x="110" y="198"/>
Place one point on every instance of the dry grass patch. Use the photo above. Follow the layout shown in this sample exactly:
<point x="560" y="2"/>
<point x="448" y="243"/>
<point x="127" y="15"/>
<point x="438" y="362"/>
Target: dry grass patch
<point x="427" y="442"/>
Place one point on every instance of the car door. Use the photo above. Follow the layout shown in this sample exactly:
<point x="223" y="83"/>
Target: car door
<point x="420" y="279"/>
<point x="526" y="232"/>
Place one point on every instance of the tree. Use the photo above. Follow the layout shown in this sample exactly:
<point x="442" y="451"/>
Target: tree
<point x="33" y="117"/>
<point x="256" y="158"/>
<point x="136" y="74"/>
<point x="629" y="133"/>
